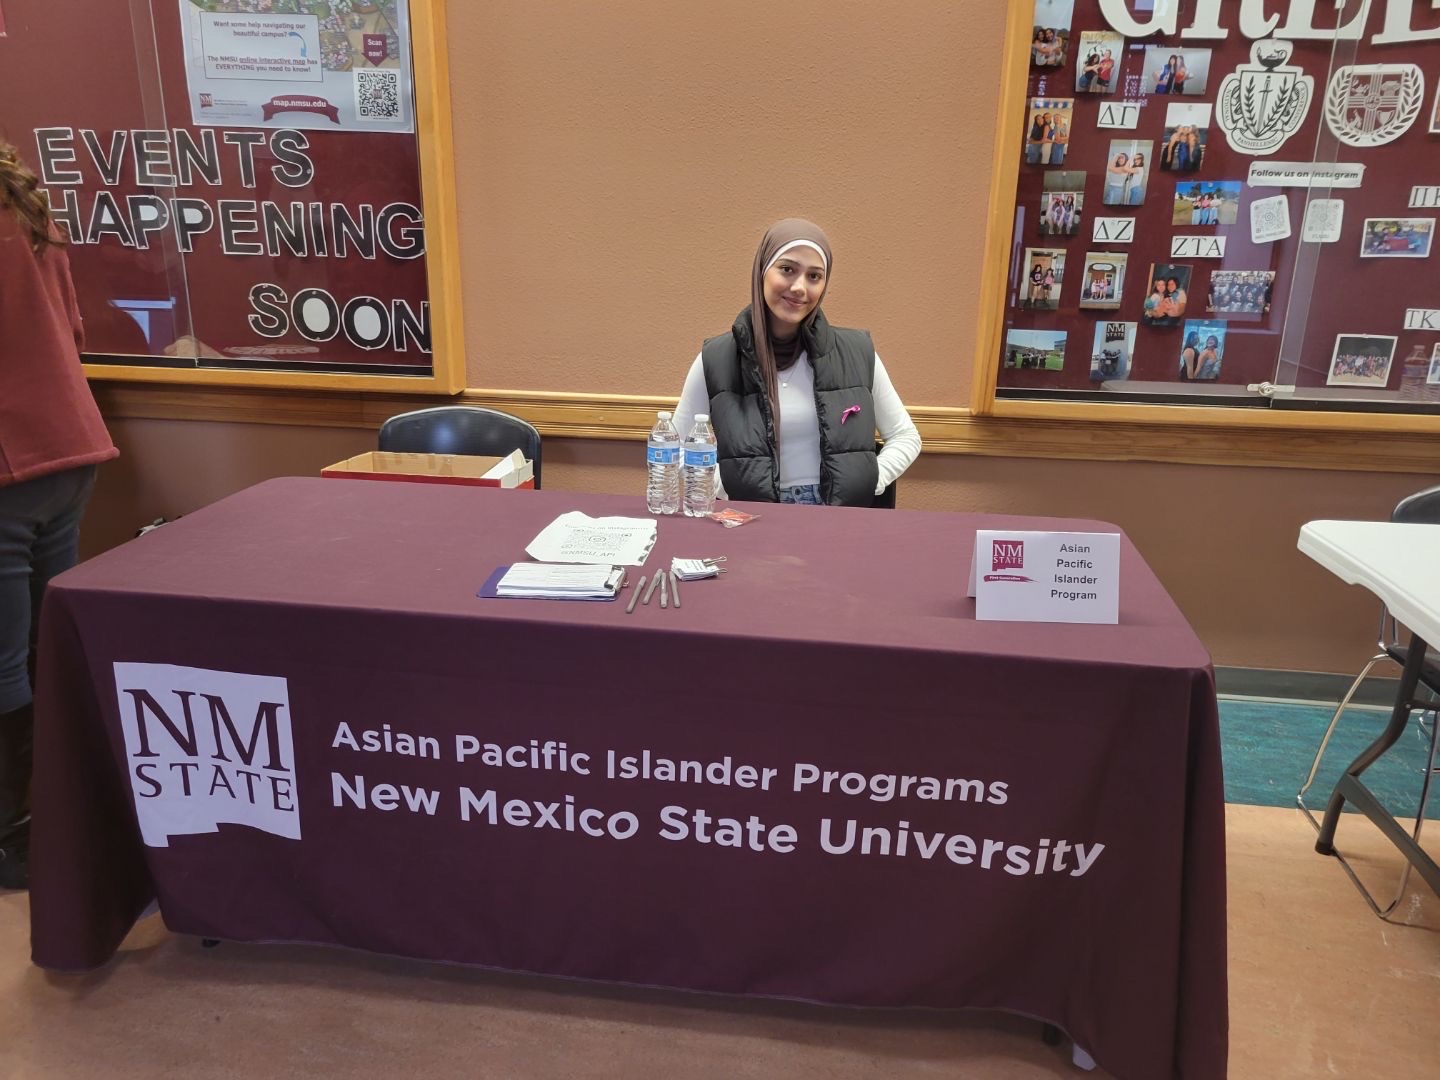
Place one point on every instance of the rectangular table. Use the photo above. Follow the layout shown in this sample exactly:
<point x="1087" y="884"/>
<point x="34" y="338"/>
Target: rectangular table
<point x="271" y="715"/>
<point x="1400" y="563"/>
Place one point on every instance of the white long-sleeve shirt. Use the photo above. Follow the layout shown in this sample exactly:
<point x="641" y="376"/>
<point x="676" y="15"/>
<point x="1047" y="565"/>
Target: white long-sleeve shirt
<point x="799" y="449"/>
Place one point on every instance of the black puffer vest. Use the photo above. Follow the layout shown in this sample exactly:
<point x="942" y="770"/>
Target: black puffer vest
<point x="844" y="363"/>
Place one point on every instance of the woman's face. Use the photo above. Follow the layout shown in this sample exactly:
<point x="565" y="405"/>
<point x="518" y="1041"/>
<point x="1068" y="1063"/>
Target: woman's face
<point x="793" y="288"/>
<point x="1172" y="286"/>
<point x="1122" y="159"/>
<point x="1212" y="342"/>
<point x="1139" y="159"/>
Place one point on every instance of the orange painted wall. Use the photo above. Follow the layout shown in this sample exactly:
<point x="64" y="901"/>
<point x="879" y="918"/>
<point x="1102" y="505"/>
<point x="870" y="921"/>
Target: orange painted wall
<point x="617" y="164"/>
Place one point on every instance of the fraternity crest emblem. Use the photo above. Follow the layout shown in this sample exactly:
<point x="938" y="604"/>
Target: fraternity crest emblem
<point x="1263" y="103"/>
<point x="1373" y="104"/>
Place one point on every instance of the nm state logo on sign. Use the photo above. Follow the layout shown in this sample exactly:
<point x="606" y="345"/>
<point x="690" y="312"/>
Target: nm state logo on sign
<point x="1006" y="555"/>
<point x="205" y="748"/>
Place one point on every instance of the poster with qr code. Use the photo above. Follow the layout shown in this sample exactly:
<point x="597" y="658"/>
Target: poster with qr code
<point x="330" y="65"/>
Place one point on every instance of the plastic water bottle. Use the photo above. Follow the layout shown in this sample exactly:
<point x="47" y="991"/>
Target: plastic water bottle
<point x="700" y="468"/>
<point x="662" y="457"/>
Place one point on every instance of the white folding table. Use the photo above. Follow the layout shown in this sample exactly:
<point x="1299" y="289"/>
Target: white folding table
<point x="1399" y="563"/>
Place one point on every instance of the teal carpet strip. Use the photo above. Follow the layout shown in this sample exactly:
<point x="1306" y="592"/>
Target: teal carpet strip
<point x="1268" y="748"/>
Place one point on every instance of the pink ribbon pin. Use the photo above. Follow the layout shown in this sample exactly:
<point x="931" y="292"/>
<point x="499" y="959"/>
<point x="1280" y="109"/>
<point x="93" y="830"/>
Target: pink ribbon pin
<point x="851" y="411"/>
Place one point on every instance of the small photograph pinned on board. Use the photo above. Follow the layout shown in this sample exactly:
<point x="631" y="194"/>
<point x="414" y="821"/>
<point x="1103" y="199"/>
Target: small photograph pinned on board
<point x="1114" y="348"/>
<point x="1044" y="274"/>
<point x="1433" y="376"/>
<point x="1127" y="171"/>
<point x="1187" y="132"/>
<point x="1169" y="294"/>
<point x="1050" y="37"/>
<point x="1038" y="349"/>
<point x="1361" y="360"/>
<point x="1241" y="292"/>
<point x="1207" y="202"/>
<point x="1202" y="352"/>
<point x="1062" y="203"/>
<point x="1096" y="59"/>
<point x="1047" y="130"/>
<point x="1102" y="286"/>
<point x="1169" y="70"/>
<point x="1397" y="238"/>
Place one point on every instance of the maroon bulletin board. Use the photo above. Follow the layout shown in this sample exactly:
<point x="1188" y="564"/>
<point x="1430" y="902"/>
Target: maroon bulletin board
<point x="87" y="93"/>
<point x="1320" y="291"/>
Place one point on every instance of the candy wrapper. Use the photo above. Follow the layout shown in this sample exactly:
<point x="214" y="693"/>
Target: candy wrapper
<point x="732" y="518"/>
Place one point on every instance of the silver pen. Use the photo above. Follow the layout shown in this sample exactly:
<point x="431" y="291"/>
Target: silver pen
<point x="675" y="588"/>
<point x="653" y="582"/>
<point x="635" y="595"/>
<point x="661" y="576"/>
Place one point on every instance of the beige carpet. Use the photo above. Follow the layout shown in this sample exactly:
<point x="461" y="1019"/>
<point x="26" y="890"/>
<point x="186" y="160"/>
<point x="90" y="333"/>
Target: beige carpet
<point x="1319" y="988"/>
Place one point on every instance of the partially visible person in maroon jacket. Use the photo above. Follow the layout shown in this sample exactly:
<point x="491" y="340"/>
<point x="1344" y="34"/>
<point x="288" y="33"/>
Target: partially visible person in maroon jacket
<point x="51" y="439"/>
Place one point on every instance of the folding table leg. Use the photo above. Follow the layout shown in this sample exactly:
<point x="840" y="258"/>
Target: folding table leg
<point x="1351" y="789"/>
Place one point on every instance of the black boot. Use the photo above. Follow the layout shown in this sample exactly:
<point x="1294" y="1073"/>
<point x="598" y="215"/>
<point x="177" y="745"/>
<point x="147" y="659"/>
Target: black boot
<point x="17" y="730"/>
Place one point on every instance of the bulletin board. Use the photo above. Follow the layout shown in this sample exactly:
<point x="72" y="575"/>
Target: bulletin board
<point x="1205" y="200"/>
<point x="257" y="192"/>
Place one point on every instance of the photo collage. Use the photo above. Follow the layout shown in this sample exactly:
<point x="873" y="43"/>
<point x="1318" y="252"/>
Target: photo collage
<point x="1081" y="65"/>
<point x="1142" y="234"/>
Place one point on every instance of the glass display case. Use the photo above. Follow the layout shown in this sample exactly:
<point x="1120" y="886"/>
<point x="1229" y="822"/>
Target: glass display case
<point x="255" y="191"/>
<point x="1216" y="205"/>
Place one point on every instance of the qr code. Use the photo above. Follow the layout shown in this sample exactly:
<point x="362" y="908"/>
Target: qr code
<point x="377" y="94"/>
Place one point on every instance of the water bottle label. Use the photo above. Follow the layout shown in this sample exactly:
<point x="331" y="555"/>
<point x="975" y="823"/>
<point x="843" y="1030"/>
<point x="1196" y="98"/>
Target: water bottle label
<point x="699" y="459"/>
<point x="663" y="455"/>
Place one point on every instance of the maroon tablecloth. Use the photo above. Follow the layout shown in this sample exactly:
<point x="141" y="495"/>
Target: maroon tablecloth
<point x="260" y="639"/>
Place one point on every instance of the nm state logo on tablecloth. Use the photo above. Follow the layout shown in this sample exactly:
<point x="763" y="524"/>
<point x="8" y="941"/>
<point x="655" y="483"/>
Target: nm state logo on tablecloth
<point x="205" y="748"/>
<point x="1006" y="555"/>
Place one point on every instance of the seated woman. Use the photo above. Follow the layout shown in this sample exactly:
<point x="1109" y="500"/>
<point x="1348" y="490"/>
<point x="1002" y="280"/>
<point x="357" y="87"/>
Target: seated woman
<point x="796" y="402"/>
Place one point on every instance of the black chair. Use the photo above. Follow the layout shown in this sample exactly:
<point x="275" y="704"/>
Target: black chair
<point x="1422" y="508"/>
<point x="461" y="429"/>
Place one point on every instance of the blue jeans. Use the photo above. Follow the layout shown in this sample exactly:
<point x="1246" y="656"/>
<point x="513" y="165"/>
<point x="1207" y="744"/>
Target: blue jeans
<point x="39" y="538"/>
<point x="804" y="495"/>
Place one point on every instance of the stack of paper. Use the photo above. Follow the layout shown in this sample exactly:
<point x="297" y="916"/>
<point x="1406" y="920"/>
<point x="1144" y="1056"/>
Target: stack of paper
<point x="693" y="569"/>
<point x="548" y="581"/>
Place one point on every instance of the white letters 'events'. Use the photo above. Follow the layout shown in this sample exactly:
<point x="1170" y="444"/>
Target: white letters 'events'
<point x="1263" y="103"/>
<point x="205" y="748"/>
<point x="1373" y="104"/>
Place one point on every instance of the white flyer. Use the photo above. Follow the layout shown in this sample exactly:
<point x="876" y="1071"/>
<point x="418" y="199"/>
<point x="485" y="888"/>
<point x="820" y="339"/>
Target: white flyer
<point x="578" y="538"/>
<point x="333" y="65"/>
<point x="1270" y="219"/>
<point x="1323" y="218"/>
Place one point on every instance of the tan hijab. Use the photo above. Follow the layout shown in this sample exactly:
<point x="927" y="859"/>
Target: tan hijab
<point x="778" y="239"/>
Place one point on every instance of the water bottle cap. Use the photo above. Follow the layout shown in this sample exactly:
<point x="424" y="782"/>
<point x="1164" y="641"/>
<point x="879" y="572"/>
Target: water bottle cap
<point x="702" y="417"/>
<point x="663" y="415"/>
